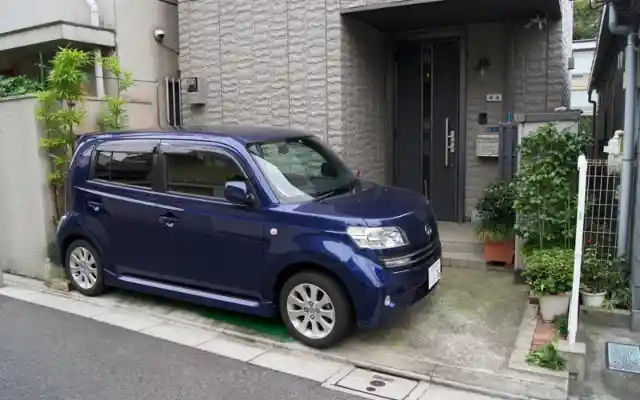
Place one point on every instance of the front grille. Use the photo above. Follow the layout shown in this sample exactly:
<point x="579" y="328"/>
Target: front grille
<point x="411" y="259"/>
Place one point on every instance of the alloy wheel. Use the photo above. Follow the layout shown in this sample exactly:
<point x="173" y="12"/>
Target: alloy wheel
<point x="83" y="268"/>
<point x="311" y="311"/>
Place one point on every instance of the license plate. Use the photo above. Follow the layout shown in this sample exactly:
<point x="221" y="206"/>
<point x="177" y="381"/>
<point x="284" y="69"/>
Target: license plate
<point x="435" y="273"/>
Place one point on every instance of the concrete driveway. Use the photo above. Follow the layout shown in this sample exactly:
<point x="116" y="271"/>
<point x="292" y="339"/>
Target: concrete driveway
<point x="461" y="335"/>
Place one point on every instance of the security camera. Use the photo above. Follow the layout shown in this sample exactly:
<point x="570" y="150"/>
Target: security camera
<point x="159" y="35"/>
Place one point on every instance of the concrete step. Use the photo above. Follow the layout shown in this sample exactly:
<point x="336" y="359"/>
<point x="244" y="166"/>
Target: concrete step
<point x="463" y="260"/>
<point x="462" y="246"/>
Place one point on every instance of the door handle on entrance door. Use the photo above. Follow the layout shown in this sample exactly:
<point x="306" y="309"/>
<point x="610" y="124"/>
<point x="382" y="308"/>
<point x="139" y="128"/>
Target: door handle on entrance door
<point x="446" y="142"/>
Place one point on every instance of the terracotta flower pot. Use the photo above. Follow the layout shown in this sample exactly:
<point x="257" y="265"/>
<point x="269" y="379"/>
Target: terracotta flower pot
<point x="501" y="252"/>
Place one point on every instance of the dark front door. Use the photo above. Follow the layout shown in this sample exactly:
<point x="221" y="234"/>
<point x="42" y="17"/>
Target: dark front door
<point x="428" y="77"/>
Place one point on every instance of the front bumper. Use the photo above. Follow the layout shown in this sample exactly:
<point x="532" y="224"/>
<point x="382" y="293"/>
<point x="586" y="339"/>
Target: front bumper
<point x="399" y="288"/>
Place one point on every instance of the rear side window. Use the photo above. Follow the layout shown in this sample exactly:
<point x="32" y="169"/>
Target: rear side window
<point x="126" y="168"/>
<point x="200" y="173"/>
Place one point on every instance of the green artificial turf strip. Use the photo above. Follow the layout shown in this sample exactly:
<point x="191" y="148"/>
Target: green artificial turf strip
<point x="268" y="327"/>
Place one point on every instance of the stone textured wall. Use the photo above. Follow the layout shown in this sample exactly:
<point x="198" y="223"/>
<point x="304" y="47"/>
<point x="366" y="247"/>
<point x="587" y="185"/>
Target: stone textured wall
<point x="299" y="63"/>
<point x="541" y="79"/>
<point x="484" y="40"/>
<point x="294" y="63"/>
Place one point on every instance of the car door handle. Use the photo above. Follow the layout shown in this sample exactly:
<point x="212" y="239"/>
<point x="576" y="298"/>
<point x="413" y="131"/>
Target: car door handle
<point x="168" y="221"/>
<point x="95" y="205"/>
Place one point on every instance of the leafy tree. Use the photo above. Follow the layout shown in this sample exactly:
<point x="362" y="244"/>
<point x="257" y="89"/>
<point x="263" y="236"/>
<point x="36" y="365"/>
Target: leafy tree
<point x="115" y="118"/>
<point x="60" y="116"/>
<point x="546" y="184"/>
<point x="586" y="20"/>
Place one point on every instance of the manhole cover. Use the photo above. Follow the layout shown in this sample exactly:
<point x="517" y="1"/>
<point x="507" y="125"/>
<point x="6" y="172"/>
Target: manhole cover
<point x="623" y="357"/>
<point x="383" y="385"/>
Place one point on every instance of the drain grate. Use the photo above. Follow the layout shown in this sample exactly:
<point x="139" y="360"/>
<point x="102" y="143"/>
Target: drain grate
<point x="623" y="357"/>
<point x="382" y="385"/>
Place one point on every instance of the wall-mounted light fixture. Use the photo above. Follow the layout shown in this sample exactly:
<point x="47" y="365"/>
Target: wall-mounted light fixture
<point x="483" y="65"/>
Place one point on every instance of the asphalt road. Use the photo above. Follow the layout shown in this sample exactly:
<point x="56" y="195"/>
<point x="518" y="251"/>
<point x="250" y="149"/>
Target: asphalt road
<point x="49" y="354"/>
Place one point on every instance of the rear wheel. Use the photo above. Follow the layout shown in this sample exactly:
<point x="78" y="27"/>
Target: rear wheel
<point x="315" y="309"/>
<point x="84" y="268"/>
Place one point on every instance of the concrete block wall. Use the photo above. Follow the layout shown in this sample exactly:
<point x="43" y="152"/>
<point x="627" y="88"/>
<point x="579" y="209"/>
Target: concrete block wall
<point x="294" y="63"/>
<point x="25" y="206"/>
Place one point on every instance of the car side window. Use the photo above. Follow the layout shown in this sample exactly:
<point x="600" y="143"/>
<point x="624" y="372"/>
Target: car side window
<point x="124" y="168"/>
<point x="201" y="173"/>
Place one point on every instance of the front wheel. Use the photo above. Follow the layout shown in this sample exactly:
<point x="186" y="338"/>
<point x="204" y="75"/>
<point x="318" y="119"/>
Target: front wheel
<point x="315" y="309"/>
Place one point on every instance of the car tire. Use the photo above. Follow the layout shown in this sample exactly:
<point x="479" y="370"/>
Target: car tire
<point x="318" y="323"/>
<point x="84" y="268"/>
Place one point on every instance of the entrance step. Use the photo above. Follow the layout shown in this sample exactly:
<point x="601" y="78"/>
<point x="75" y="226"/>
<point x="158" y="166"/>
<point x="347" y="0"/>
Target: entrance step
<point x="463" y="260"/>
<point x="459" y="238"/>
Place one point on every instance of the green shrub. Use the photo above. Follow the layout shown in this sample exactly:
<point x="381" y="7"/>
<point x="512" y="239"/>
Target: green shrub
<point x="547" y="357"/>
<point x="549" y="271"/>
<point x="598" y="273"/>
<point x="497" y="216"/>
<point x="18" y="85"/>
<point x="546" y="184"/>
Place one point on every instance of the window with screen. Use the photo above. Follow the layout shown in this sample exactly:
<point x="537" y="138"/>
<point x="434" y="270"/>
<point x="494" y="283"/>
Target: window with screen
<point x="200" y="173"/>
<point x="124" y="168"/>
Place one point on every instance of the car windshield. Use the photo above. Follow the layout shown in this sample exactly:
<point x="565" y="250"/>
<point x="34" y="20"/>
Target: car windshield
<point x="302" y="169"/>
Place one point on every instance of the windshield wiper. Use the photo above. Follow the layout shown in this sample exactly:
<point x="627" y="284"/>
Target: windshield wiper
<point x="333" y="192"/>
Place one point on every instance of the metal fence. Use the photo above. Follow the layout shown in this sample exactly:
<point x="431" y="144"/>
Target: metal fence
<point x="601" y="210"/>
<point x="596" y="225"/>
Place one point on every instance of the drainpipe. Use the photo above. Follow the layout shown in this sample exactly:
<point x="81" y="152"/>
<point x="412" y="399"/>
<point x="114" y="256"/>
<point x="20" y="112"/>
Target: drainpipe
<point x="626" y="178"/>
<point x="98" y="72"/>
<point x="594" y="111"/>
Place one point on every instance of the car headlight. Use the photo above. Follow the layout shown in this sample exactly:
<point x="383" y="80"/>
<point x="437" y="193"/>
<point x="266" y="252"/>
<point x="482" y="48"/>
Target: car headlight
<point x="377" y="238"/>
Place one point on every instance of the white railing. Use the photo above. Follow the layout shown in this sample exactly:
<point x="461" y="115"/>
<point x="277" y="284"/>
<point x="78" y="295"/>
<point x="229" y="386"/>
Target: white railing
<point x="577" y="262"/>
<point x="596" y="224"/>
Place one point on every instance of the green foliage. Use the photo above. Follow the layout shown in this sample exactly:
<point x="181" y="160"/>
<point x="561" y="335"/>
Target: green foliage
<point x="619" y="292"/>
<point x="59" y="115"/>
<point x="547" y="357"/>
<point x="549" y="271"/>
<point x="561" y="323"/>
<point x="586" y="20"/>
<point x="546" y="185"/>
<point x="598" y="273"/>
<point x="18" y="86"/>
<point x="496" y="213"/>
<point x="115" y="118"/>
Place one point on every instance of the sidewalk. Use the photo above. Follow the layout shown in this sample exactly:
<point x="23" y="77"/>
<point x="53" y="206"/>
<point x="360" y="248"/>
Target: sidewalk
<point x="348" y="368"/>
<point x="602" y="383"/>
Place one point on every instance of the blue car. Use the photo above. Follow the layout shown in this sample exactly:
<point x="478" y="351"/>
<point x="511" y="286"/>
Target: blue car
<point x="263" y="221"/>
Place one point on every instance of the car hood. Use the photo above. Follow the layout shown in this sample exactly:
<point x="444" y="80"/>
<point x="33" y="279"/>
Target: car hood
<point x="379" y="205"/>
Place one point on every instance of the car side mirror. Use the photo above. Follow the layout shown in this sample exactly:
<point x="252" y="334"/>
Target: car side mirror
<point x="237" y="192"/>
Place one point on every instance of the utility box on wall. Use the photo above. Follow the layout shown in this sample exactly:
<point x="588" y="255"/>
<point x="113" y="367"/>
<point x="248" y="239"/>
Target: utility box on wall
<point x="194" y="91"/>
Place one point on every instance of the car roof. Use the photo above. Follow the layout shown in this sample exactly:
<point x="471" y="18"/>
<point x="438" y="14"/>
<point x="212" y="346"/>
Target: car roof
<point x="243" y="134"/>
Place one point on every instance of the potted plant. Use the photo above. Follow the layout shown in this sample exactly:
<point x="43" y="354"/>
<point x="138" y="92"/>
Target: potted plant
<point x="496" y="220"/>
<point x="597" y="277"/>
<point x="549" y="272"/>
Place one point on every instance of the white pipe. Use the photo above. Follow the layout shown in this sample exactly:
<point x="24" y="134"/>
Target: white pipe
<point x="577" y="256"/>
<point x="98" y="71"/>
